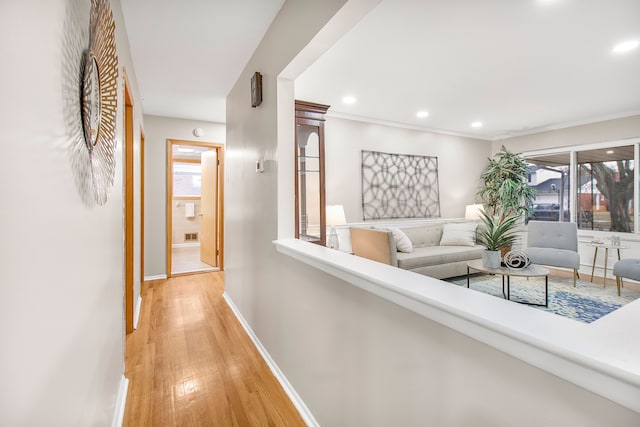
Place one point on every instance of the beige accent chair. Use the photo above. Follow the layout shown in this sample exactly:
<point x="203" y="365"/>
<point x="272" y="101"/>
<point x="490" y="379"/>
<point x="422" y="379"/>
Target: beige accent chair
<point x="373" y="244"/>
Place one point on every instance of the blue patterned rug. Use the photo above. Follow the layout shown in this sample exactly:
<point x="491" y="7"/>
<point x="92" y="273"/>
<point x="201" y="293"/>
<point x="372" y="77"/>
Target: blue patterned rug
<point x="586" y="302"/>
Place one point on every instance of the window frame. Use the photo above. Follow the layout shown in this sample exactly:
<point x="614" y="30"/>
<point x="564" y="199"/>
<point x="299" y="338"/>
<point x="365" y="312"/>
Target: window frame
<point x="573" y="167"/>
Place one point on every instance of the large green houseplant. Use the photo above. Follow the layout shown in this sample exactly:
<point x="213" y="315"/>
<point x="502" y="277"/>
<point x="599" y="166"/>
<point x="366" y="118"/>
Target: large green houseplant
<point x="504" y="189"/>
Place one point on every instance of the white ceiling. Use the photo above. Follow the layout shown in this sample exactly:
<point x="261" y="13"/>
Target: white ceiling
<point x="519" y="66"/>
<point x="188" y="54"/>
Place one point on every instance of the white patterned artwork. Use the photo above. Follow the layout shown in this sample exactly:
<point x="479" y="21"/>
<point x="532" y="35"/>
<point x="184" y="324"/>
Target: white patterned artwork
<point x="399" y="186"/>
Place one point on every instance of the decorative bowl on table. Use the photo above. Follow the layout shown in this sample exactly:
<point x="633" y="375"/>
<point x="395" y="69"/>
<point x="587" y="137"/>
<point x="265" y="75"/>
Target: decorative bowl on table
<point x="516" y="260"/>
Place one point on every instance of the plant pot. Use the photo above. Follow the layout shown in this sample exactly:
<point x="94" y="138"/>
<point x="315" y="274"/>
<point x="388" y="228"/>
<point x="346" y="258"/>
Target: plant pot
<point x="491" y="259"/>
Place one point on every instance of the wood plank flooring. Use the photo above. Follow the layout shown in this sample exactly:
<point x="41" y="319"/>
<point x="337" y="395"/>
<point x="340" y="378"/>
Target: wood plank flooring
<point x="190" y="362"/>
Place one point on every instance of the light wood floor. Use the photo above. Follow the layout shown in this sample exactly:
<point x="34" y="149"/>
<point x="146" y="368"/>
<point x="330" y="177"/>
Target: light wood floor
<point x="190" y="363"/>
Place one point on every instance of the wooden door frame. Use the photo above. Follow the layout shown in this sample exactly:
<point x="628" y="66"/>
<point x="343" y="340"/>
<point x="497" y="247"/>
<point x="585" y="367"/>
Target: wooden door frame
<point x="141" y="206"/>
<point x="169" y="196"/>
<point x="128" y="204"/>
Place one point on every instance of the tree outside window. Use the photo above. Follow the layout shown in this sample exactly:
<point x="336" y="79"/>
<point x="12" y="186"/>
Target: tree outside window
<point x="606" y="189"/>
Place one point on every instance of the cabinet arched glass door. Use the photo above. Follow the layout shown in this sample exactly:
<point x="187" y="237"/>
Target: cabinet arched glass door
<point x="309" y="157"/>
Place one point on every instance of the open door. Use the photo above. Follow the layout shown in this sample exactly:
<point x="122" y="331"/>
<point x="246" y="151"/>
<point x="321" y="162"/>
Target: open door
<point x="209" y="208"/>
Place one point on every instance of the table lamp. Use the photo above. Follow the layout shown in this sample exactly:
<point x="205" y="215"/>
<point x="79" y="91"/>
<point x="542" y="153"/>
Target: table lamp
<point x="473" y="211"/>
<point x="335" y="216"/>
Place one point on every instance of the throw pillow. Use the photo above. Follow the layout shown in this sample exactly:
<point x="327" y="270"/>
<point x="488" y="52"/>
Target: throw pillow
<point x="403" y="243"/>
<point x="459" y="234"/>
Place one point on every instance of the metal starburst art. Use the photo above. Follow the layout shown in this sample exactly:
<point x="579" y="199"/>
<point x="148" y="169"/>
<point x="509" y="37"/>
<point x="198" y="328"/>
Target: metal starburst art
<point x="90" y="76"/>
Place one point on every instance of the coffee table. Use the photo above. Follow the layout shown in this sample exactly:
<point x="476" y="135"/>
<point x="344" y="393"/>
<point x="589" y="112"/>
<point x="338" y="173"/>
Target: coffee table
<point x="530" y="271"/>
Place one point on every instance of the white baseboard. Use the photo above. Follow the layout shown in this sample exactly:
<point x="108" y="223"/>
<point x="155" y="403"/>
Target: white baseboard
<point x="305" y="413"/>
<point x="156" y="277"/>
<point x="121" y="401"/>
<point x="136" y="312"/>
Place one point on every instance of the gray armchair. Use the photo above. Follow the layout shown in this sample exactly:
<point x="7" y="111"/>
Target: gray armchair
<point x="554" y="244"/>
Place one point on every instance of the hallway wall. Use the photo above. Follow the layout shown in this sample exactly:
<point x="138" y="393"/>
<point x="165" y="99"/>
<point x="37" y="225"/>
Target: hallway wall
<point x="62" y="281"/>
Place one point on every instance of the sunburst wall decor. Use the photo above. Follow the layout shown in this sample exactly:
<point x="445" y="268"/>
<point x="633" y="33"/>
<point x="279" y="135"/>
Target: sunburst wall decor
<point x="90" y="76"/>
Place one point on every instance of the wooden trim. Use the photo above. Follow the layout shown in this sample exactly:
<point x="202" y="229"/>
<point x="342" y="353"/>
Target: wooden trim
<point x="186" y="197"/>
<point x="221" y="207"/>
<point x="179" y="160"/>
<point x="141" y="204"/>
<point x="169" y="196"/>
<point x="169" y="199"/>
<point x="128" y="204"/>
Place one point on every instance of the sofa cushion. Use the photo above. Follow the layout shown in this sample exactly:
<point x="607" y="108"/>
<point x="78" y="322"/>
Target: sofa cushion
<point x="434" y="255"/>
<point x="424" y="236"/>
<point x="459" y="234"/>
<point x="403" y="243"/>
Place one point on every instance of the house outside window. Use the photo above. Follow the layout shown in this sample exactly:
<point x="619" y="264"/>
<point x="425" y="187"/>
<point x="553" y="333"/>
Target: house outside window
<point x="550" y="178"/>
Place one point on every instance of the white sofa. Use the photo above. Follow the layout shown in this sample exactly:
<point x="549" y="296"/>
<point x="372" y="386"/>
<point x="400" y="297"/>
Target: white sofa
<point x="430" y="254"/>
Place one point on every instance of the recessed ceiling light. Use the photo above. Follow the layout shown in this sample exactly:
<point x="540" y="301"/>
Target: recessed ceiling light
<point x="349" y="100"/>
<point x="422" y="114"/>
<point x="626" y="46"/>
<point x="610" y="151"/>
<point x="476" y="124"/>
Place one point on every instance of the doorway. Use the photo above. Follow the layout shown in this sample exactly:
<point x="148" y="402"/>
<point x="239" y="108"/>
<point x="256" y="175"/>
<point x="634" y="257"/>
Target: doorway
<point x="195" y="190"/>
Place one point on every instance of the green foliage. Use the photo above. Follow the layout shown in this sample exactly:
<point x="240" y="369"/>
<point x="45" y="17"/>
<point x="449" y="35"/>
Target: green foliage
<point x="498" y="231"/>
<point x="505" y="186"/>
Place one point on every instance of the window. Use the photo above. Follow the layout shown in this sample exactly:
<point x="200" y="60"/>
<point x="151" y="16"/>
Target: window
<point x="186" y="179"/>
<point x="604" y="187"/>
<point x="549" y="175"/>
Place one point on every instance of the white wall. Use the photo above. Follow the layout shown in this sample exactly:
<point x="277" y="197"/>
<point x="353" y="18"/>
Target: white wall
<point x="460" y="162"/>
<point x="157" y="131"/>
<point x="610" y="130"/>
<point x="62" y="281"/>
<point x="354" y="358"/>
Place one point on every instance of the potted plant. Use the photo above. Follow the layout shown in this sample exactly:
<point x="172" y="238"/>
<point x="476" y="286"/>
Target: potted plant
<point x="496" y="232"/>
<point x="505" y="190"/>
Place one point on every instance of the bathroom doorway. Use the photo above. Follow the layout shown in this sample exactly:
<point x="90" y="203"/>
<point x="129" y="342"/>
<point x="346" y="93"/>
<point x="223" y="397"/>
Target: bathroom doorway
<point x="194" y="207"/>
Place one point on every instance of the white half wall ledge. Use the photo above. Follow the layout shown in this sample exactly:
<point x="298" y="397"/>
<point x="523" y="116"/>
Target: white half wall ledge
<point x="599" y="357"/>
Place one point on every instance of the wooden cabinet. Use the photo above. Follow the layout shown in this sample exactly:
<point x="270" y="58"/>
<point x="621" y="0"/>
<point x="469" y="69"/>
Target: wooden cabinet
<point x="309" y="167"/>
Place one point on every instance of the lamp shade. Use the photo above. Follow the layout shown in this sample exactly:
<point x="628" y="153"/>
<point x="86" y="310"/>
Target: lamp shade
<point x="473" y="211"/>
<point x="335" y="215"/>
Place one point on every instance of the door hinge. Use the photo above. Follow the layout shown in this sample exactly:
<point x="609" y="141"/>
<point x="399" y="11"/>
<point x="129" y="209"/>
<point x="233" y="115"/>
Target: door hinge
<point x="218" y="162"/>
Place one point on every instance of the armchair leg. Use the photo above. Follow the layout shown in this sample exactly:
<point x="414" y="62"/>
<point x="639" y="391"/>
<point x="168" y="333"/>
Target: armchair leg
<point x="575" y="276"/>
<point x="618" y="283"/>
